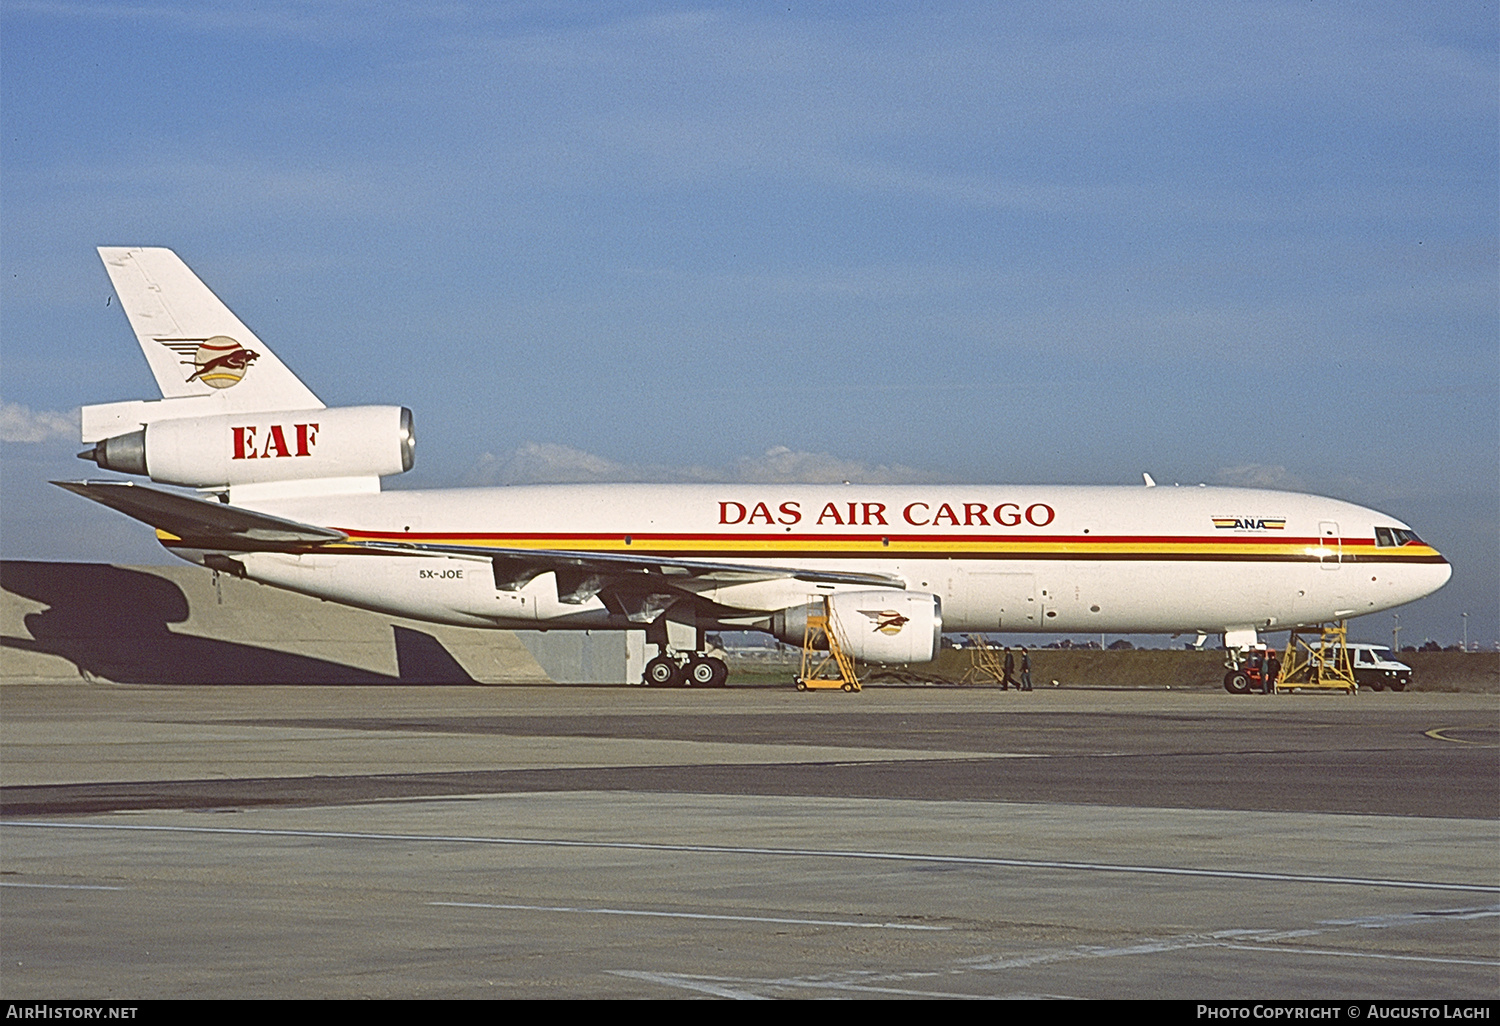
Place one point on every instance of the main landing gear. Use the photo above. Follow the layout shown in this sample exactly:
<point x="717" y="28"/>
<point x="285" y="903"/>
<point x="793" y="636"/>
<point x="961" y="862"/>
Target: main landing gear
<point x="686" y="670"/>
<point x="674" y="667"/>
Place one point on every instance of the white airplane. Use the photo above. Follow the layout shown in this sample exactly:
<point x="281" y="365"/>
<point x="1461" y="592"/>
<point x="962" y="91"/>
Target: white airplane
<point x="294" y="501"/>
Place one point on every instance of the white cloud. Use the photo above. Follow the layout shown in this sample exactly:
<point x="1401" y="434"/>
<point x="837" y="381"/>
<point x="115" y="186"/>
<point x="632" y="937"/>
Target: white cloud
<point x="549" y="463"/>
<point x="780" y="464"/>
<point x="22" y="424"/>
<point x="545" y="463"/>
<point x="1260" y="475"/>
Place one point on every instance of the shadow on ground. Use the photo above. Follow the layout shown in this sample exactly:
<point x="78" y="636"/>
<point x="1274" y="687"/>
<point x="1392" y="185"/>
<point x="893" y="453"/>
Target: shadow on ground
<point x="112" y="624"/>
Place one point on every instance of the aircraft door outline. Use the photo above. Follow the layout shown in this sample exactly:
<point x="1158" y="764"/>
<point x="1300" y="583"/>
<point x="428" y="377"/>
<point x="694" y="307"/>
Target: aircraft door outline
<point x="1330" y="545"/>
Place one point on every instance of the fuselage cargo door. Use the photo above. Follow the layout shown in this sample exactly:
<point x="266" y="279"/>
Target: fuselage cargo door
<point x="1330" y="545"/>
<point x="992" y="601"/>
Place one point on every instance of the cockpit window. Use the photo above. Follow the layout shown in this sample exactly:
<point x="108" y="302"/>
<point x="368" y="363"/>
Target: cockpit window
<point x="1392" y="537"/>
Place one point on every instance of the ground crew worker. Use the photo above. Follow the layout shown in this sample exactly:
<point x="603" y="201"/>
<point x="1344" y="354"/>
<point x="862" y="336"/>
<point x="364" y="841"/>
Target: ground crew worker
<point x="1025" y="669"/>
<point x="1271" y="672"/>
<point x="1010" y="669"/>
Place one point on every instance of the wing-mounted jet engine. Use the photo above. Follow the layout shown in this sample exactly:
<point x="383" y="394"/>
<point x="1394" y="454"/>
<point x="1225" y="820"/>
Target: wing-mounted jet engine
<point x="874" y="626"/>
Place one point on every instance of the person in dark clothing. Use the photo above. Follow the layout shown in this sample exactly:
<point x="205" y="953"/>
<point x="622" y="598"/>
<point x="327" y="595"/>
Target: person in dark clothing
<point x="1270" y="671"/>
<point x="1025" y="669"/>
<point x="1010" y="669"/>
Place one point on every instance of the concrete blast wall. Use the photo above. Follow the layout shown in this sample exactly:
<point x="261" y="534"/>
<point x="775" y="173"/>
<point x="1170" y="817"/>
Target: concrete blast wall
<point x="185" y="625"/>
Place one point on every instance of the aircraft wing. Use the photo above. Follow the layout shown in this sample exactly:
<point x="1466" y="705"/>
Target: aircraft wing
<point x="199" y="521"/>
<point x="515" y="567"/>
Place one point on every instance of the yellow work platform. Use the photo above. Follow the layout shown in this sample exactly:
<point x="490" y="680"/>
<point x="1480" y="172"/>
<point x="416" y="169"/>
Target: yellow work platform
<point x="1318" y="663"/>
<point x="819" y="665"/>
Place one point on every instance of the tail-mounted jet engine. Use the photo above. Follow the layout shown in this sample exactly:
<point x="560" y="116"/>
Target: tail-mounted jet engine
<point x="873" y="626"/>
<point x="240" y="448"/>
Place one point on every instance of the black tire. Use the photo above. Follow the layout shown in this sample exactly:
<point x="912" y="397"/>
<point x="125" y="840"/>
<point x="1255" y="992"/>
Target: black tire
<point x="661" y="672"/>
<point x="1399" y="684"/>
<point x="701" y="673"/>
<point x="721" y="673"/>
<point x="1237" y="682"/>
<point x="801" y="685"/>
<point x="1375" y="685"/>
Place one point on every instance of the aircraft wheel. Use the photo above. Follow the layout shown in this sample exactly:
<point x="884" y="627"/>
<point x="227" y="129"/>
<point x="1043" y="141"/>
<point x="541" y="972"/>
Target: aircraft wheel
<point x="1236" y="682"/>
<point x="721" y="673"/>
<point x="700" y="673"/>
<point x="660" y="672"/>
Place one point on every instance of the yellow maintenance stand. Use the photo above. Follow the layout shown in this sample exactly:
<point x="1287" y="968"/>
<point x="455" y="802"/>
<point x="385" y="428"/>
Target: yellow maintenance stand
<point x="984" y="662"/>
<point x="818" y="664"/>
<point x="1318" y="662"/>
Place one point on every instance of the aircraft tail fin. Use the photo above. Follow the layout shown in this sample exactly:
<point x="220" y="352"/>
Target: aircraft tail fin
<point x="194" y="344"/>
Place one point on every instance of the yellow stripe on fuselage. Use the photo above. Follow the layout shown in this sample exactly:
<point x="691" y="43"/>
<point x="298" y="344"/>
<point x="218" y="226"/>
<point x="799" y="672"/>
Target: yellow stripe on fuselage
<point x="804" y="547"/>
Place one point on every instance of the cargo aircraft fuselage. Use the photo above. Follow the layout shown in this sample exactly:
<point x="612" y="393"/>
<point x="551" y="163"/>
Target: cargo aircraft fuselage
<point x="299" y="507"/>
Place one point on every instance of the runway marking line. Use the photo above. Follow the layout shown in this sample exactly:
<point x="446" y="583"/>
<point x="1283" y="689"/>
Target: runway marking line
<point x="713" y="849"/>
<point x="1359" y="954"/>
<point x="702" y="986"/>
<point x="1409" y="918"/>
<point x="725" y="986"/>
<point x="1439" y="734"/>
<point x="62" y="887"/>
<point x="1242" y="939"/>
<point x="690" y="915"/>
<point x="717" y="985"/>
<point x="1231" y="940"/>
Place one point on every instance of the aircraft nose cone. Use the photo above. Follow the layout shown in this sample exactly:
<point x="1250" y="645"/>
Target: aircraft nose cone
<point x="1427" y="579"/>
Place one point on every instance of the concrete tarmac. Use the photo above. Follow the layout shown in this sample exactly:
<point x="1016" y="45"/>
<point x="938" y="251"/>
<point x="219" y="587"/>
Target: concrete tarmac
<point x="162" y="842"/>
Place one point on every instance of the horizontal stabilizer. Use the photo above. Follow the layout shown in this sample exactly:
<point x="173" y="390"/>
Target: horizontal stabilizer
<point x="214" y="524"/>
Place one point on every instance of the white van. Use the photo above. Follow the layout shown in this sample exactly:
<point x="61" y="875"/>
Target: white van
<point x="1375" y="669"/>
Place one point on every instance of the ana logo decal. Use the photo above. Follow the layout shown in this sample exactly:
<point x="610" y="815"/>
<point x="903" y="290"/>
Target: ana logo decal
<point x="1250" y="523"/>
<point x="218" y="362"/>
<point x="887" y="621"/>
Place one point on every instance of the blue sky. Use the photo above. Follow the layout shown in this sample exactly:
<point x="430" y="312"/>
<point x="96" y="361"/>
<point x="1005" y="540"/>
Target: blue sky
<point x="1238" y="242"/>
